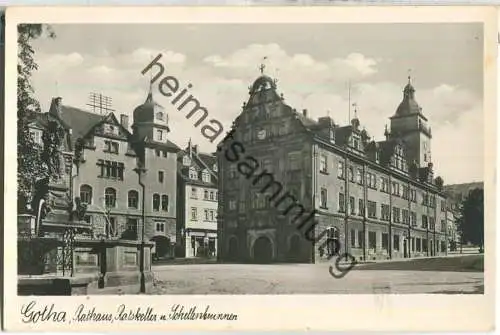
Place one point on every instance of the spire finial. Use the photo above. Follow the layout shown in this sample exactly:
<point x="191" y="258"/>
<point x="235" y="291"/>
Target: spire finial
<point x="261" y="68"/>
<point x="409" y="76"/>
<point x="355" y="105"/>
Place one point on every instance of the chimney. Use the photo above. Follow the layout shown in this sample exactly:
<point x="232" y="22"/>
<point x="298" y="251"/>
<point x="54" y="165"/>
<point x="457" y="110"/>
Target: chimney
<point x="304" y="112"/>
<point x="124" y="121"/>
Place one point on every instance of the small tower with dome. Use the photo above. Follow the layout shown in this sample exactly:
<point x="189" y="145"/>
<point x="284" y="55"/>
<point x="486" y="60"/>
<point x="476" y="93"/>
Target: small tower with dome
<point x="150" y="121"/>
<point x="410" y="125"/>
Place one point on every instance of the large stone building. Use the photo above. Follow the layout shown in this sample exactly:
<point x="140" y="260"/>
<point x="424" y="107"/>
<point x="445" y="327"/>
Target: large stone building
<point x="281" y="172"/>
<point x="197" y="196"/>
<point x="107" y="178"/>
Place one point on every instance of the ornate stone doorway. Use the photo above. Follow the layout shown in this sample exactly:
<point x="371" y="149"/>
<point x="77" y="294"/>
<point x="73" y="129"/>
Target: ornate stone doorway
<point x="263" y="250"/>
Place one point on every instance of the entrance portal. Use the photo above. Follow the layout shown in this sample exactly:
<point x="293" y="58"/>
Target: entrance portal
<point x="162" y="247"/>
<point x="263" y="250"/>
<point x="232" y="252"/>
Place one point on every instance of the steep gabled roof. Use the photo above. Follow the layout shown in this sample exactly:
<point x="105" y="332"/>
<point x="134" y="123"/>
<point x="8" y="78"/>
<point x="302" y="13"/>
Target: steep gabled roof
<point x="80" y="121"/>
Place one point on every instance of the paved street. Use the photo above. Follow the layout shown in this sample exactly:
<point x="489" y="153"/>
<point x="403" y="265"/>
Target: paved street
<point x="306" y="279"/>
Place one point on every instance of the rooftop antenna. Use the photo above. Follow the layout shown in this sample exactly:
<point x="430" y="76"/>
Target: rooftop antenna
<point x="100" y="103"/>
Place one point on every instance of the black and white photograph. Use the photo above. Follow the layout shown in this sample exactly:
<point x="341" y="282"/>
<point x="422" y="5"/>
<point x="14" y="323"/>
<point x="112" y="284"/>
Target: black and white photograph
<point x="240" y="158"/>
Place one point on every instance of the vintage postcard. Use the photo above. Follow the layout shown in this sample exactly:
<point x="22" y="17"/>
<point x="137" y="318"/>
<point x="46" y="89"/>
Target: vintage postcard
<point x="225" y="168"/>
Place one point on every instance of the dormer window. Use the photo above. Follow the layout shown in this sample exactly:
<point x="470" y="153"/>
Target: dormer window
<point x="160" y="116"/>
<point x="193" y="174"/>
<point x="110" y="129"/>
<point x="205" y="176"/>
<point x="186" y="161"/>
<point x="355" y="142"/>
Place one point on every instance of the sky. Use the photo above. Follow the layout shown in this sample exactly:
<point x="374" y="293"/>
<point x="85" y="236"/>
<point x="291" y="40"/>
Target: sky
<point x="313" y="64"/>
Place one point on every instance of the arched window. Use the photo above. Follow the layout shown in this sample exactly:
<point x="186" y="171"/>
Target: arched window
<point x="110" y="197"/>
<point x="86" y="194"/>
<point x="156" y="202"/>
<point x="133" y="199"/>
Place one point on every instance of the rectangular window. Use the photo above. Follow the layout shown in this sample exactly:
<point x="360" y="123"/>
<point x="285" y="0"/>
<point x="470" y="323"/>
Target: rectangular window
<point x="353" y="238"/>
<point x="406" y="216"/>
<point x="194" y="213"/>
<point x="443" y="206"/>
<point x="324" y="198"/>
<point x="159" y="135"/>
<point x="206" y="214"/>
<point x="361" y="207"/>
<point x="372" y="209"/>
<point x="352" y="205"/>
<point x="432" y="223"/>
<point x="443" y="225"/>
<point x="372" y="240"/>
<point x="164" y="202"/>
<point x="385" y="212"/>
<point x="212" y="215"/>
<point x="396" y="215"/>
<point x="351" y="174"/>
<point x="418" y="246"/>
<point x="341" y="203"/>
<point x="156" y="202"/>
<point x="396" y="243"/>
<point x="323" y="166"/>
<point x="340" y="170"/>
<point x="361" y="239"/>
<point x="242" y="206"/>
<point x="413" y="217"/>
<point x="161" y="176"/>
<point x="424" y="221"/>
<point x="232" y="205"/>
<point x="194" y="193"/>
<point x="385" y="241"/>
<point x="359" y="176"/>
<point x="424" y="245"/>
<point x="160" y="227"/>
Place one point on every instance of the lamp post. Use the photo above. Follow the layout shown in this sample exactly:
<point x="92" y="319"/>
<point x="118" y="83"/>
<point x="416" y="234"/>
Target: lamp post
<point x="140" y="170"/>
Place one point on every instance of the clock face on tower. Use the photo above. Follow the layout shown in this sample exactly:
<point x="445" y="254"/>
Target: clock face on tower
<point x="261" y="134"/>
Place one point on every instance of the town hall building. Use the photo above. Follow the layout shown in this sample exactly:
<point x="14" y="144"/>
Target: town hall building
<point x="377" y="199"/>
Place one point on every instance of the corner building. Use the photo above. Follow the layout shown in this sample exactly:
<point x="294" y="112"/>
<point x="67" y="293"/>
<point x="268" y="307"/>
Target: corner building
<point x="106" y="179"/>
<point x="281" y="172"/>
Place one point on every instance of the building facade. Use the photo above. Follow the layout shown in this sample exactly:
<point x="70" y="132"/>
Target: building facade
<point x="284" y="176"/>
<point x="106" y="177"/>
<point x="197" y="196"/>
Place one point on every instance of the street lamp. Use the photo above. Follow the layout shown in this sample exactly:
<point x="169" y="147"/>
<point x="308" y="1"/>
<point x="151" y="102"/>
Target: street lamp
<point x="140" y="170"/>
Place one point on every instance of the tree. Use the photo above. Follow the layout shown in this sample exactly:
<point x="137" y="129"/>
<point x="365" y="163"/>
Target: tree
<point x="30" y="166"/>
<point x="471" y="220"/>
